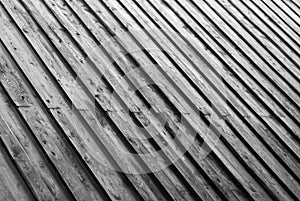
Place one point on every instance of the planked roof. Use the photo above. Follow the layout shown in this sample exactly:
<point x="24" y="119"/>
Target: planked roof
<point x="149" y="100"/>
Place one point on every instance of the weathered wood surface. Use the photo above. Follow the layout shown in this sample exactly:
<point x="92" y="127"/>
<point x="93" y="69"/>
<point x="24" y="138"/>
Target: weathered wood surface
<point x="149" y="100"/>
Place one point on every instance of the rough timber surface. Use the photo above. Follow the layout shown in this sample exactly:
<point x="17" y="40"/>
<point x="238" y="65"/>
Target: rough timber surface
<point x="208" y="90"/>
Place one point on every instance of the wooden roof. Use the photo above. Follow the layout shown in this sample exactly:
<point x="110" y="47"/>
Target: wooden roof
<point x="149" y="100"/>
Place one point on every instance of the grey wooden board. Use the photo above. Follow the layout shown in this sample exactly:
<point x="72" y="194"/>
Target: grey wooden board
<point x="149" y="100"/>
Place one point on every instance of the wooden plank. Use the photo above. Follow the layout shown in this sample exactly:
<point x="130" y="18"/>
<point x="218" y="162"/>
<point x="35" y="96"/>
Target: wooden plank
<point x="218" y="107"/>
<point x="149" y="100"/>
<point x="228" y="97"/>
<point x="283" y="5"/>
<point x="58" y="155"/>
<point x="291" y="22"/>
<point x="273" y="17"/>
<point x="259" y="110"/>
<point x="292" y="6"/>
<point x="42" y="185"/>
<point x="262" y="45"/>
<point x="127" y="18"/>
<point x="12" y="185"/>
<point x="251" y="21"/>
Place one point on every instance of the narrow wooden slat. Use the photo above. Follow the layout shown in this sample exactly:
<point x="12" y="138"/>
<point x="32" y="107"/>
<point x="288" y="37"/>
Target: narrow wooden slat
<point x="149" y="100"/>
